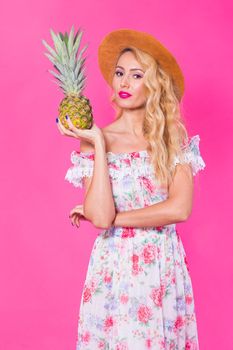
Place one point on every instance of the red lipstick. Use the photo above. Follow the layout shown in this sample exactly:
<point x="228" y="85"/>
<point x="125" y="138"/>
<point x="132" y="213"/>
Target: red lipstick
<point x="124" y="94"/>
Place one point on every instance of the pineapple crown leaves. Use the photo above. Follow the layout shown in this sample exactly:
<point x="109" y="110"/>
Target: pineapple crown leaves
<point x="63" y="56"/>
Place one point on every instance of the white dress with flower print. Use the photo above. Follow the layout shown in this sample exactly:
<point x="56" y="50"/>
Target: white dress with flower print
<point x="138" y="291"/>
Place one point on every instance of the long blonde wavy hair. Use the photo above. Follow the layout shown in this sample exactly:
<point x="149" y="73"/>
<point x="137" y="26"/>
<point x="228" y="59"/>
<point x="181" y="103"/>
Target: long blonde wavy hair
<point x="163" y="125"/>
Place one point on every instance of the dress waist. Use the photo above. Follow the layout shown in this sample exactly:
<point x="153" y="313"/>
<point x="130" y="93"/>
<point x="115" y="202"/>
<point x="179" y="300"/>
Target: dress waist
<point x="129" y="232"/>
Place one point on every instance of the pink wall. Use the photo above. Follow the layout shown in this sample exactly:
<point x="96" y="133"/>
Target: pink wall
<point x="43" y="258"/>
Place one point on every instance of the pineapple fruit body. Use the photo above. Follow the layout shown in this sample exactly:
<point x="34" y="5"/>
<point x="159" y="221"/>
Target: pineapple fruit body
<point x="78" y="109"/>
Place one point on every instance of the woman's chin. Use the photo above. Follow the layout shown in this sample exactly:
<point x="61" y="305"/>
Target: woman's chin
<point x="124" y="102"/>
<point x="129" y="105"/>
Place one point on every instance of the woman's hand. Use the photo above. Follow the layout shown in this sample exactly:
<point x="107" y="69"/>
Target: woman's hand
<point x="91" y="135"/>
<point x="77" y="214"/>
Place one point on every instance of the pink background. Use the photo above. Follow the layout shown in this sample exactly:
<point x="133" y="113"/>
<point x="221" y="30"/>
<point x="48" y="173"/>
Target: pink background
<point x="43" y="258"/>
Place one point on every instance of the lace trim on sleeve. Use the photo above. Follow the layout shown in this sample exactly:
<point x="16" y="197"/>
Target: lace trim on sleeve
<point x="192" y="155"/>
<point x="82" y="166"/>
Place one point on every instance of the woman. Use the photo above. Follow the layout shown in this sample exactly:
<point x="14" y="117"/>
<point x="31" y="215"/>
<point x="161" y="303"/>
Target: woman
<point x="138" y="178"/>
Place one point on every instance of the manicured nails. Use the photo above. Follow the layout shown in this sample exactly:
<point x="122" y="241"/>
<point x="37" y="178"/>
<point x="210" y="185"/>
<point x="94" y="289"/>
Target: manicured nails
<point x="66" y="117"/>
<point x="56" y="120"/>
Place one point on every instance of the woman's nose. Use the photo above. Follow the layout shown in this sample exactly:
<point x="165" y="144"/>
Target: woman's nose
<point x="124" y="81"/>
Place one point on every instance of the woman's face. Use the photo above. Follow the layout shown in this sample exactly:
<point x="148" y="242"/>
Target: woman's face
<point x="128" y="77"/>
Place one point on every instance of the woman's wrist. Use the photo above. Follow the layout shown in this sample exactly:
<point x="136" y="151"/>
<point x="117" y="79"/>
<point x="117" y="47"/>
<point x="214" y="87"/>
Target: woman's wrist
<point x="100" y="143"/>
<point x="115" y="221"/>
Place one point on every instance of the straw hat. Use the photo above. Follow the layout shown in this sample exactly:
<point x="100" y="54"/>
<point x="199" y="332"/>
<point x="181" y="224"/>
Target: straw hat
<point x="117" y="40"/>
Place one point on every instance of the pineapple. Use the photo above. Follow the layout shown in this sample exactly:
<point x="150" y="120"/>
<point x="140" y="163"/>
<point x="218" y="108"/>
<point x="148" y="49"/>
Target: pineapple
<point x="70" y="76"/>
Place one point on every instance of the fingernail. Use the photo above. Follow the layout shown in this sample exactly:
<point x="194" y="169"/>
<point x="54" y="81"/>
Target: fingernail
<point x="66" y="116"/>
<point x="56" y="120"/>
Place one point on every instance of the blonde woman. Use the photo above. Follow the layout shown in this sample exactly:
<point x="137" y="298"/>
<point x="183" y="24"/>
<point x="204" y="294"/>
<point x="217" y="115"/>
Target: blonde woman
<point x="138" y="178"/>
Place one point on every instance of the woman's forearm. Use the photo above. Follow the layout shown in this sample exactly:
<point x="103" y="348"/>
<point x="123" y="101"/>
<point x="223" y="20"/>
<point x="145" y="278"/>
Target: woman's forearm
<point x="159" y="214"/>
<point x="99" y="204"/>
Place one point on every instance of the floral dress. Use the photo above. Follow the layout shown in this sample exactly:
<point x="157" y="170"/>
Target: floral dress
<point x="138" y="292"/>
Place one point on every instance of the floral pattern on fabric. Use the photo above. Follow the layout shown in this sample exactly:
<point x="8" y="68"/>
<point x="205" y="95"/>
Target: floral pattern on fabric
<point x="83" y="163"/>
<point x="192" y="155"/>
<point x="138" y="291"/>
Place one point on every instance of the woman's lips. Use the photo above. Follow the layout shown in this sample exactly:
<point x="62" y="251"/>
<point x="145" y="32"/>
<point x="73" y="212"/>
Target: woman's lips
<point x="124" y="94"/>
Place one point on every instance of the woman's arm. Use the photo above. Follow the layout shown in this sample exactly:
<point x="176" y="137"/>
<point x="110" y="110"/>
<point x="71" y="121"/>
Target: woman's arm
<point x="98" y="204"/>
<point x="177" y="207"/>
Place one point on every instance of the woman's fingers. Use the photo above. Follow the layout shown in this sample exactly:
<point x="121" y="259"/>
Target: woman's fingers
<point x="75" y="220"/>
<point x="77" y="209"/>
<point x="65" y="131"/>
<point x="76" y="214"/>
<point x="59" y="127"/>
<point x="75" y="131"/>
<point x="72" y="211"/>
<point x="89" y="135"/>
<point x="80" y="215"/>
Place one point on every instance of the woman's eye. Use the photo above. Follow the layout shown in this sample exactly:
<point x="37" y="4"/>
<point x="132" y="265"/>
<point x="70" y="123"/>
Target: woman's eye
<point x="133" y="75"/>
<point x="117" y="72"/>
<point x="138" y="75"/>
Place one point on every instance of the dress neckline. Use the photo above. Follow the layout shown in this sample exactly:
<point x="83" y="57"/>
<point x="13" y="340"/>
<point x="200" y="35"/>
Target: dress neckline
<point x="139" y="153"/>
<point x="144" y="151"/>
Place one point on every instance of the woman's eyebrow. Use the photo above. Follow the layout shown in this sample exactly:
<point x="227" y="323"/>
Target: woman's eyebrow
<point x="131" y="68"/>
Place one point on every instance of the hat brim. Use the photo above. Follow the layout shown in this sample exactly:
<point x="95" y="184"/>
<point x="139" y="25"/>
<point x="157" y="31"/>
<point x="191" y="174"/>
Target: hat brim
<point x="117" y="40"/>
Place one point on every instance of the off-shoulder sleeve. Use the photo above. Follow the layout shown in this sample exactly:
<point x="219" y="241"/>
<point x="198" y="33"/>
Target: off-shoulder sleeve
<point x="192" y="155"/>
<point x="83" y="164"/>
